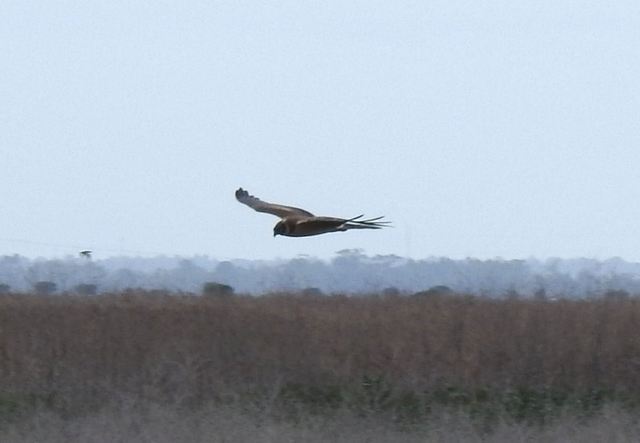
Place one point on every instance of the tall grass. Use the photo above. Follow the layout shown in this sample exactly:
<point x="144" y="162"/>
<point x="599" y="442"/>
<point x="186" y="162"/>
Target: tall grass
<point x="162" y="424"/>
<point x="401" y="357"/>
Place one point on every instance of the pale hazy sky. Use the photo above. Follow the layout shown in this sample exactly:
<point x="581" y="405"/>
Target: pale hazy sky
<point x="481" y="128"/>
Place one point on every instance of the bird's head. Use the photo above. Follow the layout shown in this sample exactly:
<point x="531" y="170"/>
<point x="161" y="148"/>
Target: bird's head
<point x="280" y="228"/>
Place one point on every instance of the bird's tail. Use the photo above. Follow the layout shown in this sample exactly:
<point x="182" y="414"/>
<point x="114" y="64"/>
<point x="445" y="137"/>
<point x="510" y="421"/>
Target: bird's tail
<point x="370" y="223"/>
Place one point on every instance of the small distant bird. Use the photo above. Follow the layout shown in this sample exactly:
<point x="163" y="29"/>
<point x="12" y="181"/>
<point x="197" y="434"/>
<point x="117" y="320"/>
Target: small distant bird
<point x="296" y="222"/>
<point x="85" y="254"/>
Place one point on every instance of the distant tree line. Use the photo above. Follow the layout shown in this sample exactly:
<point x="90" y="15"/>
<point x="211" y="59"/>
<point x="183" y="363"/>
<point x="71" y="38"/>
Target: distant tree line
<point x="350" y="271"/>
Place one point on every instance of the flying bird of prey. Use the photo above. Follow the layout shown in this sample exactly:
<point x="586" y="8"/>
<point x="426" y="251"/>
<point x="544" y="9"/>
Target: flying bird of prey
<point x="85" y="254"/>
<point x="296" y="222"/>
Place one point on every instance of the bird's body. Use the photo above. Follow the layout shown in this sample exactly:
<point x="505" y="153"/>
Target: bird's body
<point x="296" y="222"/>
<point x="305" y="226"/>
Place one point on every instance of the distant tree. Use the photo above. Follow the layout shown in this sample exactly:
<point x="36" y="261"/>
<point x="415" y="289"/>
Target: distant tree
<point x="45" y="287"/>
<point x="214" y="289"/>
<point x="391" y="291"/>
<point x="435" y="290"/>
<point x="85" y="289"/>
<point x="311" y="291"/>
<point x="512" y="294"/>
<point x="540" y="294"/>
<point x="616" y="294"/>
<point x="4" y="288"/>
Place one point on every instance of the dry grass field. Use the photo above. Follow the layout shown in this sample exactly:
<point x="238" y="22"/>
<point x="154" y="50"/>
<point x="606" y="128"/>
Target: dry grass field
<point x="149" y="366"/>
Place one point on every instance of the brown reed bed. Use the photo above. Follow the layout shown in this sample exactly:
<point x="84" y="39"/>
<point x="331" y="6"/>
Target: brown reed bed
<point x="406" y="356"/>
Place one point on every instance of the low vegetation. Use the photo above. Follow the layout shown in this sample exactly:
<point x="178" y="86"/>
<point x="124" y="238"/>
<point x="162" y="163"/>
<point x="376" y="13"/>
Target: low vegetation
<point x="403" y="362"/>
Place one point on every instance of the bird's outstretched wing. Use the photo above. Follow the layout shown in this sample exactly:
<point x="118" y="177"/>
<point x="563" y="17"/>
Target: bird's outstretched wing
<point x="270" y="208"/>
